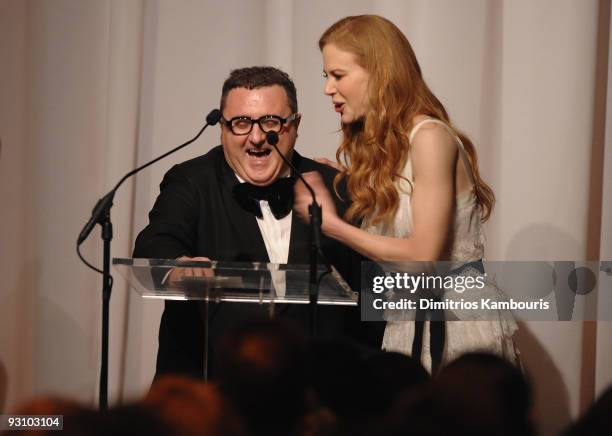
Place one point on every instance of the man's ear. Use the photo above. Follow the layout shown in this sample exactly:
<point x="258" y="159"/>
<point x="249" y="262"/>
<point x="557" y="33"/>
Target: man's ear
<point x="297" y="121"/>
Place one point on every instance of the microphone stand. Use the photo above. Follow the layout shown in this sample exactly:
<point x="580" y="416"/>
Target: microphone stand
<point x="101" y="215"/>
<point x="314" y="211"/>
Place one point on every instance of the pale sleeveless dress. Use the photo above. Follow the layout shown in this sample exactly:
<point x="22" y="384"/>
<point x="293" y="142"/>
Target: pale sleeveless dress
<point x="468" y="245"/>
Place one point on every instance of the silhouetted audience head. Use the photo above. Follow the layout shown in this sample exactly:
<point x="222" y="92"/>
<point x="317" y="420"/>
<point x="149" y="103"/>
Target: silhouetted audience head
<point x="262" y="368"/>
<point x="81" y="421"/>
<point x="131" y="419"/>
<point x="501" y="391"/>
<point x="270" y="383"/>
<point x="597" y="420"/>
<point x="75" y="416"/>
<point x="339" y="376"/>
<point x="477" y="394"/>
<point x="345" y="384"/>
<point x="394" y="373"/>
<point x="318" y="422"/>
<point x="416" y="412"/>
<point x="191" y="408"/>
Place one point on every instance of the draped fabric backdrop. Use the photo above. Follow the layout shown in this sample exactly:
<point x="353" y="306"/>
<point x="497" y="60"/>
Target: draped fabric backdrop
<point x="90" y="89"/>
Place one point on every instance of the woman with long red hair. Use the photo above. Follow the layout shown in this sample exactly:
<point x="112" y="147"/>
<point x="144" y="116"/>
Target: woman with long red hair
<point x="411" y="175"/>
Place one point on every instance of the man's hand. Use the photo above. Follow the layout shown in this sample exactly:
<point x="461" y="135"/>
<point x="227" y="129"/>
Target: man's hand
<point x="179" y="273"/>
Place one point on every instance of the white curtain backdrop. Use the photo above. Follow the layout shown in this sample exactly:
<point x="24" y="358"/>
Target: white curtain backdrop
<point x="90" y="89"/>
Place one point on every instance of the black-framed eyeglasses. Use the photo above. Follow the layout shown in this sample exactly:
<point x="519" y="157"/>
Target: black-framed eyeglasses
<point x="268" y="123"/>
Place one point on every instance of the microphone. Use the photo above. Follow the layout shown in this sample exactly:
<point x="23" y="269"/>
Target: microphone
<point x="314" y="211"/>
<point x="272" y="139"/>
<point x="103" y="205"/>
<point x="101" y="215"/>
<point x="314" y="208"/>
<point x="213" y="117"/>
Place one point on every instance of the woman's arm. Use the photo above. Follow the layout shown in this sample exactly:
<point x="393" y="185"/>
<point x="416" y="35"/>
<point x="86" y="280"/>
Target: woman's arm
<point x="434" y="156"/>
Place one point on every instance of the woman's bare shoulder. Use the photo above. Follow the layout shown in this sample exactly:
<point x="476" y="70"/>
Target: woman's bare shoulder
<point x="428" y="132"/>
<point x="420" y="117"/>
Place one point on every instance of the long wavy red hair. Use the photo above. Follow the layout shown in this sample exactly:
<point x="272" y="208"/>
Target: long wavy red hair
<point x="376" y="149"/>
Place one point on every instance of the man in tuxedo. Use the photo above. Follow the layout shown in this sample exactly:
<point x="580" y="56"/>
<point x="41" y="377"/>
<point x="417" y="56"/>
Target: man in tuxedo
<point x="234" y="204"/>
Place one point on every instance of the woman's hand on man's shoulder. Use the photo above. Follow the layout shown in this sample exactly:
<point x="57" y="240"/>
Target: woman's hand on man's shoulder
<point x="329" y="163"/>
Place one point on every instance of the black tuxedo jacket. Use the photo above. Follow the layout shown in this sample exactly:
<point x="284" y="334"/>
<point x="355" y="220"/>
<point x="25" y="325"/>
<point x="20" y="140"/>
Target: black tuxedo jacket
<point x="195" y="214"/>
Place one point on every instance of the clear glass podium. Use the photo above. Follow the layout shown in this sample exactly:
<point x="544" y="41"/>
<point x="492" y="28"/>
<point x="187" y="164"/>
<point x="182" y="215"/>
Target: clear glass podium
<point x="241" y="282"/>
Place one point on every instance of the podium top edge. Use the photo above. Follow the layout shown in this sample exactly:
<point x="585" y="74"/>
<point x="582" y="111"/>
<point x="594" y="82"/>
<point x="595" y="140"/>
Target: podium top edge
<point x="215" y="264"/>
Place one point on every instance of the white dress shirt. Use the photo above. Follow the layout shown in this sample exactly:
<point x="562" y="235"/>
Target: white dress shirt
<point x="276" y="235"/>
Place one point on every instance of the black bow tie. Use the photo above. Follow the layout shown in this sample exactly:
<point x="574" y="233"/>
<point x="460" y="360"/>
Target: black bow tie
<point x="279" y="196"/>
